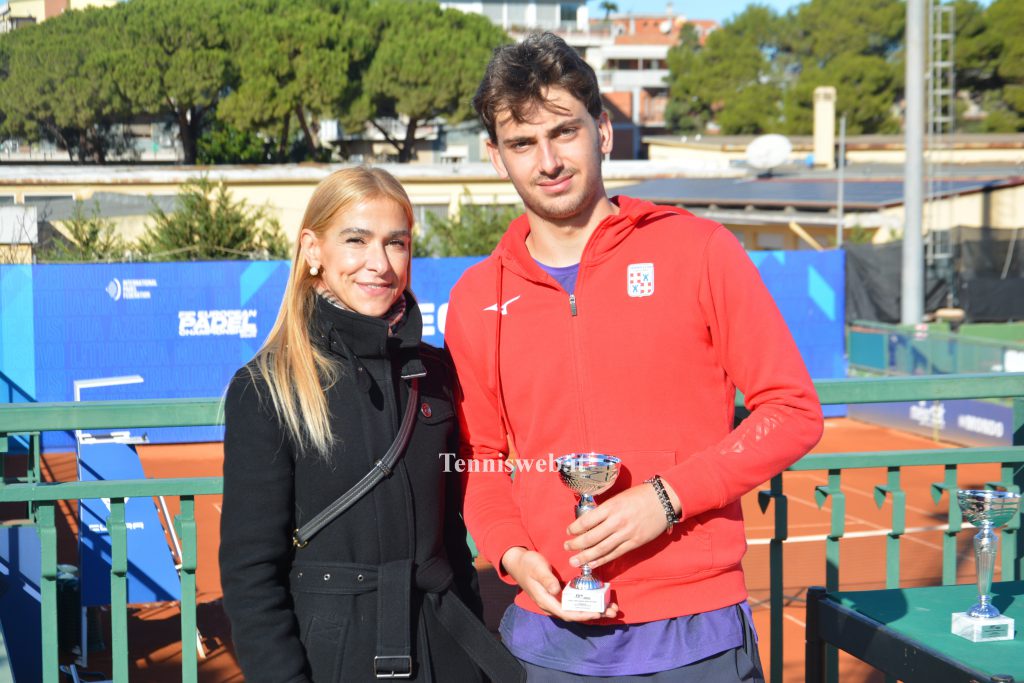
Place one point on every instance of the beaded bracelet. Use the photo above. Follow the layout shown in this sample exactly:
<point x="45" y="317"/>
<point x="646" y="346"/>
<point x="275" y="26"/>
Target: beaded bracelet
<point x="670" y="512"/>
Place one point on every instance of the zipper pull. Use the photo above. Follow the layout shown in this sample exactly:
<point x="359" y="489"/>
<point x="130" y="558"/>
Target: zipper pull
<point x="572" y="304"/>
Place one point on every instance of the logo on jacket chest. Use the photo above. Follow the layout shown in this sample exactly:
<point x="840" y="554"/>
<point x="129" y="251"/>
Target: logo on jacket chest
<point x="640" y="279"/>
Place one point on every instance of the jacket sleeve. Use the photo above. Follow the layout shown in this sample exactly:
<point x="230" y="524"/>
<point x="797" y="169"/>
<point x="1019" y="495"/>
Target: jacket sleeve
<point x="758" y="355"/>
<point x="491" y="512"/>
<point x="257" y="519"/>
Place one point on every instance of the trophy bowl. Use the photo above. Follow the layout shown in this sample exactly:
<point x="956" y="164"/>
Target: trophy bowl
<point x="986" y="507"/>
<point x="987" y="510"/>
<point x="587" y="474"/>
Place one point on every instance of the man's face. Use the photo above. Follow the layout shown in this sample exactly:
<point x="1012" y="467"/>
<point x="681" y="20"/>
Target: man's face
<point x="554" y="157"/>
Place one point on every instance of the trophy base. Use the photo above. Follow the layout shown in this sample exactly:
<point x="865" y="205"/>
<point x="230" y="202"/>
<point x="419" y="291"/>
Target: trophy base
<point x="982" y="630"/>
<point x="586" y="600"/>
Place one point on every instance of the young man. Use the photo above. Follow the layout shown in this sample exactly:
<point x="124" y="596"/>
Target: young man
<point x="620" y="327"/>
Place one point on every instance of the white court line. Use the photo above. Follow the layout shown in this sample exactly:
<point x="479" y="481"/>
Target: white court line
<point x="854" y="518"/>
<point x="771" y="527"/>
<point x="912" y="508"/>
<point x="883" y="531"/>
<point x="757" y="603"/>
<point x="855" y="534"/>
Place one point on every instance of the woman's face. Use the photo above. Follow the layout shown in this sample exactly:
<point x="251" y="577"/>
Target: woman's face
<point x="363" y="255"/>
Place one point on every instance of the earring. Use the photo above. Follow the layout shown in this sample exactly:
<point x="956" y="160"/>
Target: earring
<point x="314" y="271"/>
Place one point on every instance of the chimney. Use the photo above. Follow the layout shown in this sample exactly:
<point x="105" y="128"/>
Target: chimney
<point x="825" y="126"/>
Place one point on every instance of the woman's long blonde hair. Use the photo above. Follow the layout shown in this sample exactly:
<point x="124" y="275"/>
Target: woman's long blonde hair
<point x="297" y="372"/>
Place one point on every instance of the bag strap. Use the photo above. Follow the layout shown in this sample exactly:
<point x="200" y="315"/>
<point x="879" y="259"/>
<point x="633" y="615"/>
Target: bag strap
<point x="382" y="468"/>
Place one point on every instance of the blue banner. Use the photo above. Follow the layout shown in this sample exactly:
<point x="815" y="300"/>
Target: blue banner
<point x="20" y="600"/>
<point x="152" y="576"/>
<point x="182" y="329"/>
<point x="965" y="422"/>
<point x="809" y="287"/>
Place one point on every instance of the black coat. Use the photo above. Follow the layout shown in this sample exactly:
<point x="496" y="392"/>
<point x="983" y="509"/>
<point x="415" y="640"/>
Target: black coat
<point x="312" y="614"/>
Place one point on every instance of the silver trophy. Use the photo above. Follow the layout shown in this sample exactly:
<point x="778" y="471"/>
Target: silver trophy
<point x="588" y="474"/>
<point x="987" y="510"/>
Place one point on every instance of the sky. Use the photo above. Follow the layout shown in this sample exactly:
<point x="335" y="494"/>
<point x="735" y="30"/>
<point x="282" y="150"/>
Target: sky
<point x="719" y="10"/>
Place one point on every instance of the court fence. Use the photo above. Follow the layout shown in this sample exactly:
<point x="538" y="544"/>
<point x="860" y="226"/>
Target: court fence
<point x="28" y="421"/>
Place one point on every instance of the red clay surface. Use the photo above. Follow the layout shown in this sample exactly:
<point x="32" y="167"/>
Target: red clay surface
<point x="154" y="646"/>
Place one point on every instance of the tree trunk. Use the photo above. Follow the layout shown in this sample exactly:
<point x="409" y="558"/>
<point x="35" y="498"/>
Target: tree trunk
<point x="61" y="139"/>
<point x="311" y="138"/>
<point x="186" y="133"/>
<point x="95" y="145"/>
<point x="282" y="144"/>
<point x="408" y="147"/>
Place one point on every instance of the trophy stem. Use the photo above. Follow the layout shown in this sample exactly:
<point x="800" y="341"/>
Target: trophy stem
<point x="586" y="504"/>
<point x="986" y="545"/>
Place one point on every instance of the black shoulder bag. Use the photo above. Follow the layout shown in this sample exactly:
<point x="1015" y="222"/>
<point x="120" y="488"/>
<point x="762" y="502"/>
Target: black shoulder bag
<point x="382" y="468"/>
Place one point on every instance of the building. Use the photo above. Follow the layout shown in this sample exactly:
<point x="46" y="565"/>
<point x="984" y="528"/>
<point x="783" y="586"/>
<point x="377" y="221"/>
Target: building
<point x="123" y="193"/>
<point x="629" y="53"/>
<point x="23" y="12"/>
<point x="528" y="15"/>
<point x="796" y="209"/>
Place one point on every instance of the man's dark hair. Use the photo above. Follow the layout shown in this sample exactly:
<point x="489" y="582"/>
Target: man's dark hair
<point x="517" y="76"/>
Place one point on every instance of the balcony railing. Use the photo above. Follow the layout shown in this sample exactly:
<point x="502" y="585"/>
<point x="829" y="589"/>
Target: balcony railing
<point x="28" y="420"/>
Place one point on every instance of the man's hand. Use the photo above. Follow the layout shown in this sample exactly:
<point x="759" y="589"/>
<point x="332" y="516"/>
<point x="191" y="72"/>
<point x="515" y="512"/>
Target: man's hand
<point x="533" y="574"/>
<point x="618" y="525"/>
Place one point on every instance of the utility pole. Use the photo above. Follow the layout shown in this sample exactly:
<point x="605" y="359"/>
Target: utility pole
<point x="840" y="181"/>
<point x="912" y="293"/>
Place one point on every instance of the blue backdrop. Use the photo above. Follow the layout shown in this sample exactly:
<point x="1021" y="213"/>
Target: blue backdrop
<point x="186" y="327"/>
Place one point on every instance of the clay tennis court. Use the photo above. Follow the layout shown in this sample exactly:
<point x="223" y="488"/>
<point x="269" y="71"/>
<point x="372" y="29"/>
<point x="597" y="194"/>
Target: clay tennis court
<point x="155" y="653"/>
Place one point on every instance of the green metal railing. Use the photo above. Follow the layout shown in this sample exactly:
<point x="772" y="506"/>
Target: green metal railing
<point x="31" y="419"/>
<point x="886" y="390"/>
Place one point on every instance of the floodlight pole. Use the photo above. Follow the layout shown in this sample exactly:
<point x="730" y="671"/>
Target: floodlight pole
<point x="912" y="298"/>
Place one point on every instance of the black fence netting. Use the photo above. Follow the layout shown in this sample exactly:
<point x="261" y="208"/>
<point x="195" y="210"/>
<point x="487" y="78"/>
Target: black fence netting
<point x="978" y="270"/>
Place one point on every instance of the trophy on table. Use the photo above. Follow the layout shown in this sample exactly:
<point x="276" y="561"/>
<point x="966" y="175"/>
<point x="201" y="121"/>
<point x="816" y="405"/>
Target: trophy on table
<point x="588" y="474"/>
<point x="987" y="510"/>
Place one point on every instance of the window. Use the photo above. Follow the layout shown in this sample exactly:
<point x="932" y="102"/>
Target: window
<point x="32" y="199"/>
<point x="770" y="240"/>
<point x="420" y="212"/>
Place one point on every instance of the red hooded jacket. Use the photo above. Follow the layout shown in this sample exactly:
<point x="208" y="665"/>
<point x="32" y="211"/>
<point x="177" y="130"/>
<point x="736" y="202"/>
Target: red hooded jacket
<point x="669" y="317"/>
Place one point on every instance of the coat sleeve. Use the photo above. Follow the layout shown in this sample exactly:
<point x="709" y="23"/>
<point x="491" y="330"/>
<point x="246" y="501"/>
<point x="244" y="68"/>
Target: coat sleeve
<point x="490" y="509"/>
<point x="757" y="352"/>
<point x="257" y="519"/>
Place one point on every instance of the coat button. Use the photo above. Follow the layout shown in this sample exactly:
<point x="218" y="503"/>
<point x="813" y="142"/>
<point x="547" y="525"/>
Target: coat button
<point x="425" y="409"/>
<point x="327" y="577"/>
<point x="360" y="578"/>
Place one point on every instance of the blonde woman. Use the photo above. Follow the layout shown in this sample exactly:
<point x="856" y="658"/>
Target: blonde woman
<point x="381" y="589"/>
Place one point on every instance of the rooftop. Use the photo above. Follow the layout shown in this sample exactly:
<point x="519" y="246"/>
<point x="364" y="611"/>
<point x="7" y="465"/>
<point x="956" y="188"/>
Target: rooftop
<point x="807" y="193"/>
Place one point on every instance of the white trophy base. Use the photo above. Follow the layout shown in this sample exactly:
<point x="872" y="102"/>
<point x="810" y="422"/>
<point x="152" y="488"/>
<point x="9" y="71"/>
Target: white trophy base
<point x="980" y="629"/>
<point x="591" y="600"/>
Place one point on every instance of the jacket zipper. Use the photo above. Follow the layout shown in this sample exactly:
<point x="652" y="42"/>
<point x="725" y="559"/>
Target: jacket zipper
<point x="576" y="349"/>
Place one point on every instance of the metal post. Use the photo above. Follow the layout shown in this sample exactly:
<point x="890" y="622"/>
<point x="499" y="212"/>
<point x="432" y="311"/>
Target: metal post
<point x="912" y="297"/>
<point x="841" y="179"/>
